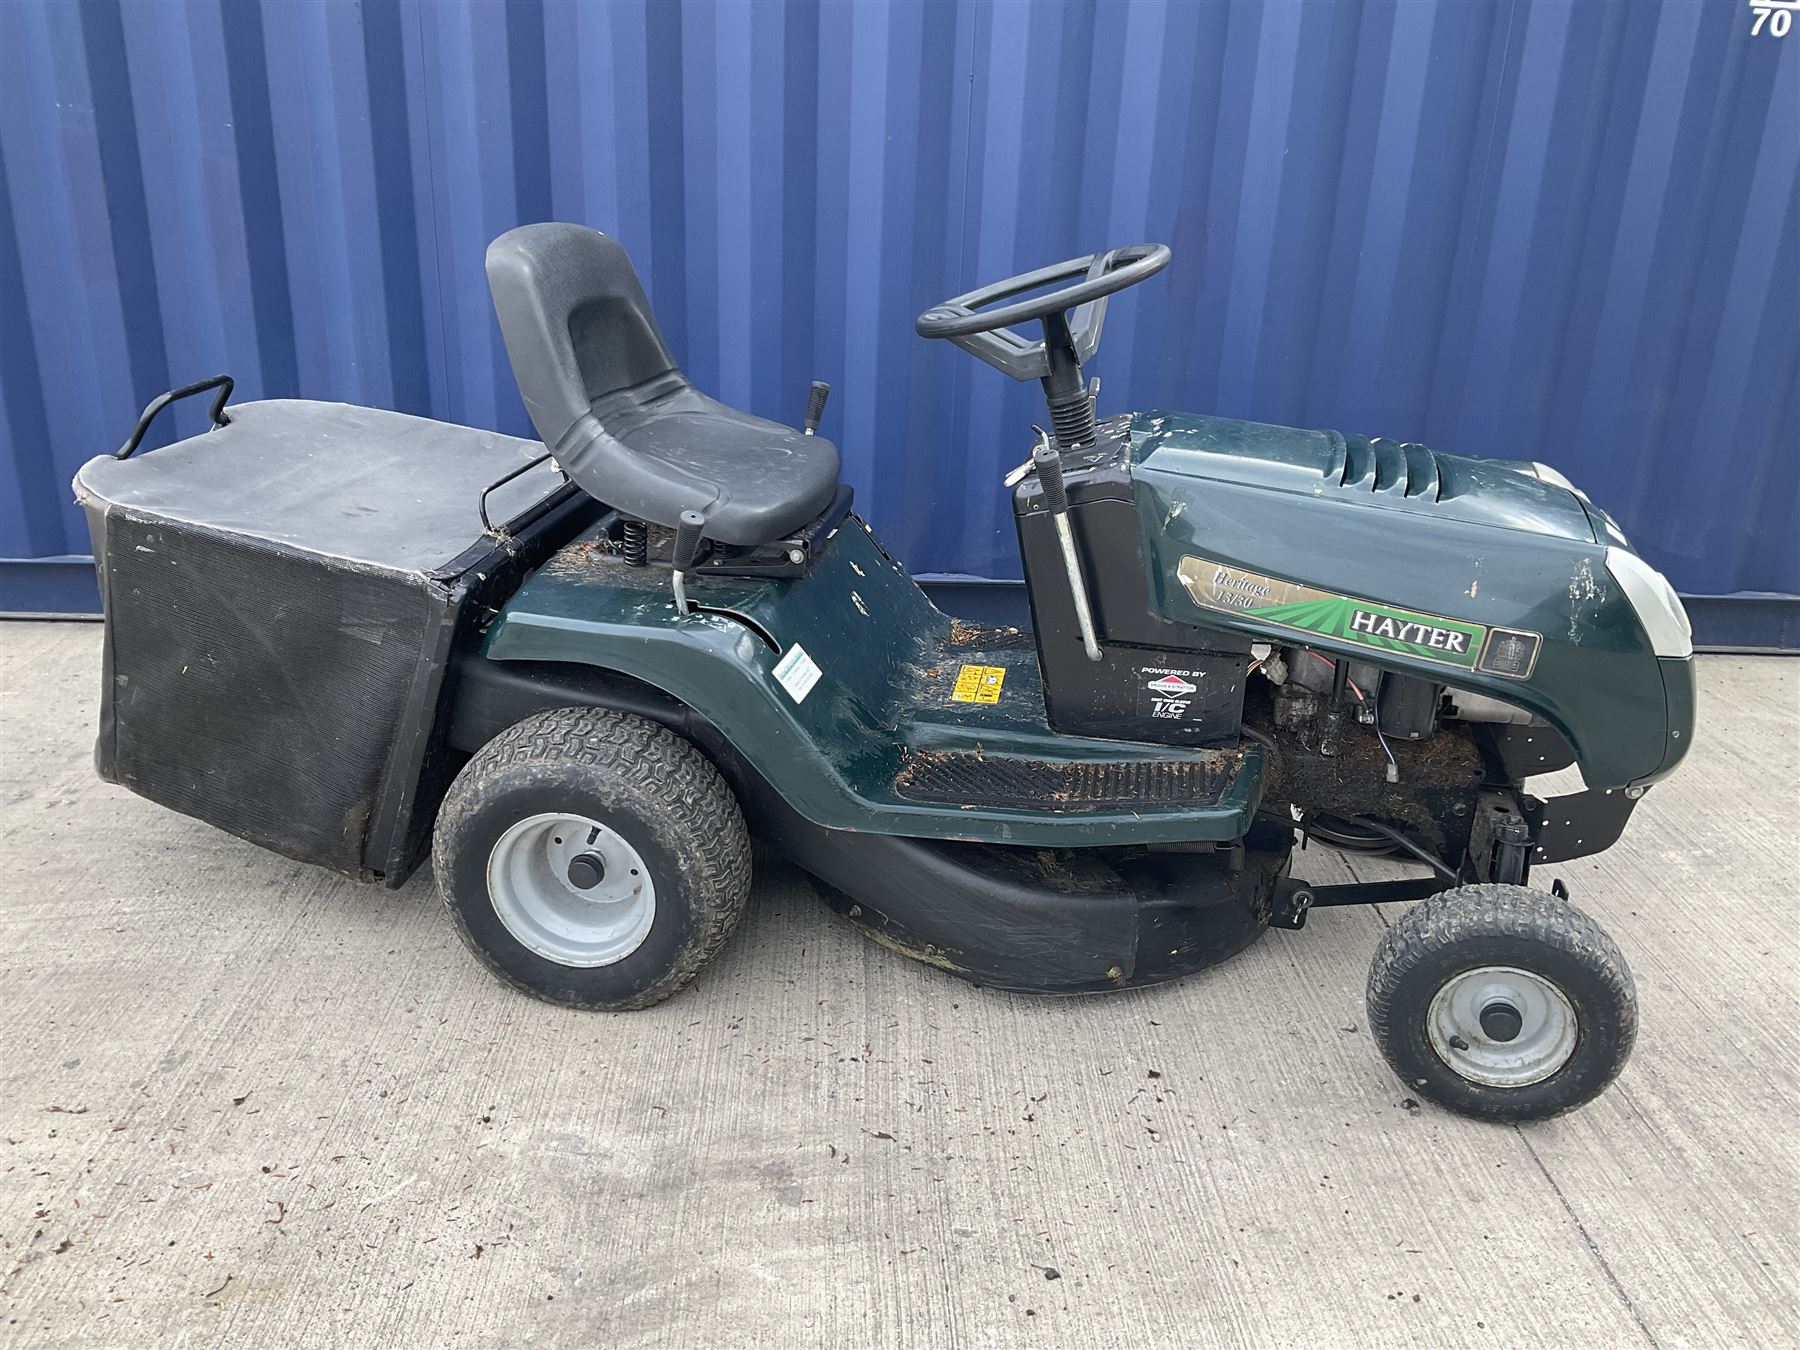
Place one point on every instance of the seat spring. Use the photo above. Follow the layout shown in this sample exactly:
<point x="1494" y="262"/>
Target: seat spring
<point x="636" y="544"/>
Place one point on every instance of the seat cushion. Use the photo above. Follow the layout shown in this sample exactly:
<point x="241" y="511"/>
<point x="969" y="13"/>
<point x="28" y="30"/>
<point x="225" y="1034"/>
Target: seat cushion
<point x="753" y="480"/>
<point x="606" y="395"/>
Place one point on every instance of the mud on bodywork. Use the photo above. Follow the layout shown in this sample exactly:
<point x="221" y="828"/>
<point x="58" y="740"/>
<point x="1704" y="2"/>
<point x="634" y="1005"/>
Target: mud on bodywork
<point x="992" y="636"/>
<point x="1438" y="779"/>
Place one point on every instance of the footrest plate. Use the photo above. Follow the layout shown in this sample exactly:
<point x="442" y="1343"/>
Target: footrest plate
<point x="1009" y="781"/>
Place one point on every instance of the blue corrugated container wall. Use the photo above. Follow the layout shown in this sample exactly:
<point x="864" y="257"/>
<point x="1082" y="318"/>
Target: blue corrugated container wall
<point x="1563" y="232"/>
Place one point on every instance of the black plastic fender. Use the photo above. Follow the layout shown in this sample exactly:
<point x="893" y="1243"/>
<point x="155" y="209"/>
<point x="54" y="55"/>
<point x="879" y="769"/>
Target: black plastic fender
<point x="1044" y="921"/>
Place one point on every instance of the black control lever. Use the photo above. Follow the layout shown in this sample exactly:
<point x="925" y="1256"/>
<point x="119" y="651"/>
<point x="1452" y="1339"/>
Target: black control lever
<point x="815" y="406"/>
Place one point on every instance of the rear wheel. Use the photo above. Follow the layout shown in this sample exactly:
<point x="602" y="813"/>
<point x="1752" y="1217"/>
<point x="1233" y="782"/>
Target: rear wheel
<point x="1502" y="1002"/>
<point x="592" y="858"/>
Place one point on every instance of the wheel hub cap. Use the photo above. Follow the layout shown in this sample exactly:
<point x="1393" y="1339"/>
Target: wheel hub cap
<point x="571" y="889"/>
<point x="587" y="871"/>
<point x="1501" y="1022"/>
<point x="1501" y="1026"/>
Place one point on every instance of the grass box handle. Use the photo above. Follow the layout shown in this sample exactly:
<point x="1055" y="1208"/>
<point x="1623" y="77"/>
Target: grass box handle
<point x="223" y="383"/>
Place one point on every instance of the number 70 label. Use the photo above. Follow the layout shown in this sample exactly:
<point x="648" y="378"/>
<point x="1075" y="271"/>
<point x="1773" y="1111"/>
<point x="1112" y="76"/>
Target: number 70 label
<point x="1774" y="17"/>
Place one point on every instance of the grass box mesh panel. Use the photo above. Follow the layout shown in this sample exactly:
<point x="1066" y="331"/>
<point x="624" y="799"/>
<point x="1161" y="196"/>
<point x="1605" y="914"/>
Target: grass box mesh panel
<point x="257" y="688"/>
<point x="281" y="595"/>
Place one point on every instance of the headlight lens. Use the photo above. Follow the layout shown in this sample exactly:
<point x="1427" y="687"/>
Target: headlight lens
<point x="1658" y="607"/>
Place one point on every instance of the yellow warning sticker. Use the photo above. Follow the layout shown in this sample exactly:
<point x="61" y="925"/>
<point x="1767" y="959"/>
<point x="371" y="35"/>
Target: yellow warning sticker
<point x="978" y="684"/>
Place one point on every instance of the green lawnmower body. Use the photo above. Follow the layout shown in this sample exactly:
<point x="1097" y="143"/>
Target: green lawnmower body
<point x="1446" y="546"/>
<point x="889" y="662"/>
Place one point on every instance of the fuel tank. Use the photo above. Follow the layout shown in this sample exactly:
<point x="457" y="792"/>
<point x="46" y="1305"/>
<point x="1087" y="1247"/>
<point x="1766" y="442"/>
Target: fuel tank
<point x="1489" y="575"/>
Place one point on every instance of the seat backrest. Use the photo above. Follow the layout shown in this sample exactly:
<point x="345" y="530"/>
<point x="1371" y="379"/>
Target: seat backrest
<point x="576" y="322"/>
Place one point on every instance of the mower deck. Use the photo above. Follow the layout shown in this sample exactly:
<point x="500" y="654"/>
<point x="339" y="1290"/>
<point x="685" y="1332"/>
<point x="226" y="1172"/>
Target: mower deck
<point x="914" y="723"/>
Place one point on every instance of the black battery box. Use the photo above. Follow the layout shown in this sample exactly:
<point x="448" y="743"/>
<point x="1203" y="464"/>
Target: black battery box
<point x="1157" y="680"/>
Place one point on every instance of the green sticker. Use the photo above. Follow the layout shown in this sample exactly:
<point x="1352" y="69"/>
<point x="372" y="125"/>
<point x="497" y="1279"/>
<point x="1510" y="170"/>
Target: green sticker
<point x="1218" y="586"/>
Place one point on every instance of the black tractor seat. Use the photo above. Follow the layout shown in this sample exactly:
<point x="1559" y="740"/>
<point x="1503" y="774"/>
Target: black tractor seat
<point x="617" y="412"/>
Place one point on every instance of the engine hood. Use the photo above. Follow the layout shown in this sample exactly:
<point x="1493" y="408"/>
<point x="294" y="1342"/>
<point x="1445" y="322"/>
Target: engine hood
<point x="1376" y="473"/>
<point x="1480" y="574"/>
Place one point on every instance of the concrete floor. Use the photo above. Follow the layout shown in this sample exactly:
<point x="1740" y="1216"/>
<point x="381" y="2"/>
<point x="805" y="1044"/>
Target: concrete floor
<point x="244" y="1101"/>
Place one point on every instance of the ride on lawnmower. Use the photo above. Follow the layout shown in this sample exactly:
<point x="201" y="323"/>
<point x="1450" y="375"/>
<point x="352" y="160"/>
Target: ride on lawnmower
<point x="583" y="674"/>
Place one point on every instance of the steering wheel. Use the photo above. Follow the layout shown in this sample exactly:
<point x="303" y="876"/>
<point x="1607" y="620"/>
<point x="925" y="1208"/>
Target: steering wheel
<point x="986" y="332"/>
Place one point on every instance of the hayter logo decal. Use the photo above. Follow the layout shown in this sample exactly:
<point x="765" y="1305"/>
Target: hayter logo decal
<point x="1429" y="637"/>
<point x="1367" y="621"/>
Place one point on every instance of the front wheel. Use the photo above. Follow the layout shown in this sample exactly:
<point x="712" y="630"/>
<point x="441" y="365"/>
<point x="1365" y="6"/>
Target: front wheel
<point x="1502" y="1003"/>
<point x="592" y="858"/>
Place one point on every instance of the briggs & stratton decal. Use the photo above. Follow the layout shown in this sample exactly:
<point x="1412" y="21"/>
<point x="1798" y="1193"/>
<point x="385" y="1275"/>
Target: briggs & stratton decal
<point x="1168" y="693"/>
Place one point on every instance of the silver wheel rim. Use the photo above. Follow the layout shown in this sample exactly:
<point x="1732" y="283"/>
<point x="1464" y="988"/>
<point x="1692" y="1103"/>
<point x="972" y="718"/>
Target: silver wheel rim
<point x="571" y="889"/>
<point x="1472" y="1014"/>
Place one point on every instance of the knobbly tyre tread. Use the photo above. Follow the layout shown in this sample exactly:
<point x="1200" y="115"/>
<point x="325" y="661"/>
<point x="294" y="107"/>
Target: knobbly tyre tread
<point x="1461" y="919"/>
<point x="647" y="765"/>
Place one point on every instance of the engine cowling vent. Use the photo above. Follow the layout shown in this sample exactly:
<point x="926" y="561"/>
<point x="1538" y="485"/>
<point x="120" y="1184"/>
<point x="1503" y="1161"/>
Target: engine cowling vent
<point x="1392" y="468"/>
